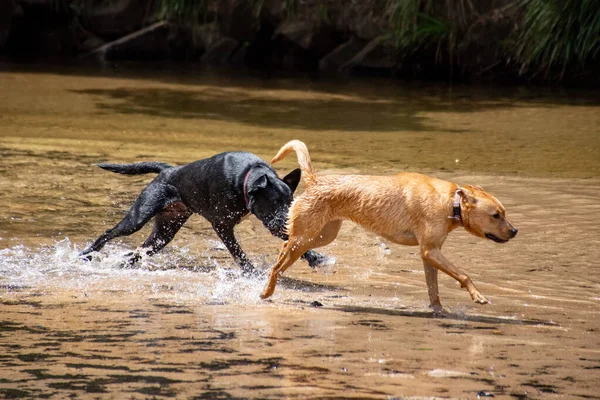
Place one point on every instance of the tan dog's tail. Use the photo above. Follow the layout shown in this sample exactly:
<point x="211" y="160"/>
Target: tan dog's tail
<point x="308" y="174"/>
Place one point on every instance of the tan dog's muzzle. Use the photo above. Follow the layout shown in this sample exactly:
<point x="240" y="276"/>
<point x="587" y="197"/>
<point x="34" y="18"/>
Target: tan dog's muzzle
<point x="511" y="233"/>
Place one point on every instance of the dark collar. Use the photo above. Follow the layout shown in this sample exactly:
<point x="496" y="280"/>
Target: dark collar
<point x="245" y="188"/>
<point x="456" y="207"/>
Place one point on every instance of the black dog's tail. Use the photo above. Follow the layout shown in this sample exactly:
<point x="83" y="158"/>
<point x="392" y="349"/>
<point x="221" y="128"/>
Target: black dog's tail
<point x="136" y="169"/>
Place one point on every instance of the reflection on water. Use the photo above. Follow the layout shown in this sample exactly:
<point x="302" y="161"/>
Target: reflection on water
<point x="187" y="324"/>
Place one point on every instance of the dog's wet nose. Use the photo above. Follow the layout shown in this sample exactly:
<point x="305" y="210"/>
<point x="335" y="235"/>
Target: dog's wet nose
<point x="513" y="231"/>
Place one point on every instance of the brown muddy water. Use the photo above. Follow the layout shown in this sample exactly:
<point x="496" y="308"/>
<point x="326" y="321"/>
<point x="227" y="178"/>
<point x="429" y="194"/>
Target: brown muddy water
<point x="185" y="324"/>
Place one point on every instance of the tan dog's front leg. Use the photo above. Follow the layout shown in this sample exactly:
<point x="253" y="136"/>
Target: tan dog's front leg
<point x="435" y="257"/>
<point x="294" y="247"/>
<point x="289" y="254"/>
<point x="431" y="278"/>
<point x="272" y="282"/>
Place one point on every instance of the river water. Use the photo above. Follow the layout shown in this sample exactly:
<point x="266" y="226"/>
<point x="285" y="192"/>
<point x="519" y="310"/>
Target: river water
<point x="185" y="324"/>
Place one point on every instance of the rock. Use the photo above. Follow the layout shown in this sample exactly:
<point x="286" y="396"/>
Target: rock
<point x="364" y="19"/>
<point x="114" y="19"/>
<point x="239" y="21"/>
<point x="479" y="49"/>
<point x="274" y="11"/>
<point x="301" y="44"/>
<point x="7" y="9"/>
<point x="378" y="54"/>
<point x="238" y="58"/>
<point x="341" y="55"/>
<point x="326" y="39"/>
<point x="317" y="37"/>
<point x="220" y="51"/>
<point x="182" y="45"/>
<point x="204" y="36"/>
<point x="299" y="32"/>
<point x="86" y="41"/>
<point x="261" y="53"/>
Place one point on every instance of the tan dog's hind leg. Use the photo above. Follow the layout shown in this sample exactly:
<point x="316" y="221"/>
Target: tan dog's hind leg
<point x="435" y="257"/>
<point x="431" y="277"/>
<point x="293" y="248"/>
<point x="327" y="234"/>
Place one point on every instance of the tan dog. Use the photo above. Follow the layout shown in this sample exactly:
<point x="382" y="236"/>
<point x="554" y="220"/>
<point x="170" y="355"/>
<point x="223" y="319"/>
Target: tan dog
<point x="408" y="208"/>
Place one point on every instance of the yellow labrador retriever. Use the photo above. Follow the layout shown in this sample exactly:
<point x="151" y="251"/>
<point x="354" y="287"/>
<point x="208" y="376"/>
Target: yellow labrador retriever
<point x="408" y="208"/>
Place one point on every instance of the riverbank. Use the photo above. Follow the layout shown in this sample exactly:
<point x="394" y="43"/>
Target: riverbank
<point x="500" y="41"/>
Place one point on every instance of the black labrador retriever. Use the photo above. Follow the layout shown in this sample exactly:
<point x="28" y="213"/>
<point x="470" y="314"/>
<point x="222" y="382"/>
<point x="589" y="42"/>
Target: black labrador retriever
<point x="223" y="189"/>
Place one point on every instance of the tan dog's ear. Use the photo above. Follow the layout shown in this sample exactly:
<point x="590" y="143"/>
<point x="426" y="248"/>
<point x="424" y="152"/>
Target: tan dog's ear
<point x="475" y="187"/>
<point x="467" y="195"/>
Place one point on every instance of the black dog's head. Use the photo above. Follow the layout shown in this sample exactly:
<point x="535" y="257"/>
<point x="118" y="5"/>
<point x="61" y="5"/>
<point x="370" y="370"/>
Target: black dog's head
<point x="269" y="197"/>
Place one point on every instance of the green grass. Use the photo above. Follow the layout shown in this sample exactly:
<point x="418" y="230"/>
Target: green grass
<point x="416" y="25"/>
<point x="557" y="35"/>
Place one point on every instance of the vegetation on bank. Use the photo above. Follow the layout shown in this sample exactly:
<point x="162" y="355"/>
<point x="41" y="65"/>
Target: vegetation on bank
<point x="541" y="39"/>
<point x="558" y="34"/>
<point x="548" y="37"/>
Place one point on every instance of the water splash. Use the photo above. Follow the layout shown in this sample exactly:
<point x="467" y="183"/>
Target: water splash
<point x="173" y="273"/>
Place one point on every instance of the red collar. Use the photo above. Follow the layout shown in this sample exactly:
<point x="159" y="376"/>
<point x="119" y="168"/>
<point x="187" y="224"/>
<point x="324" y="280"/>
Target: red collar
<point x="245" y="190"/>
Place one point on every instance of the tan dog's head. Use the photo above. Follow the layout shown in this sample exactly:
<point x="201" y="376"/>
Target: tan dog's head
<point x="483" y="215"/>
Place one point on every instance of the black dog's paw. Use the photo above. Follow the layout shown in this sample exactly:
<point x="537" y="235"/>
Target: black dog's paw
<point x="85" y="257"/>
<point x="437" y="311"/>
<point x="319" y="260"/>
<point x="251" y="272"/>
<point x="131" y="260"/>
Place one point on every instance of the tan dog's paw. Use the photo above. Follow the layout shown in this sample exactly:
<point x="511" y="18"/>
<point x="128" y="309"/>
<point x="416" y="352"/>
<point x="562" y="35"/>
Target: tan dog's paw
<point x="266" y="293"/>
<point x="479" y="298"/>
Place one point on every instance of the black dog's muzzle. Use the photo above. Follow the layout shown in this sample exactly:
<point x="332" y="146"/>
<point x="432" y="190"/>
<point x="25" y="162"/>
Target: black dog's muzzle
<point x="276" y="224"/>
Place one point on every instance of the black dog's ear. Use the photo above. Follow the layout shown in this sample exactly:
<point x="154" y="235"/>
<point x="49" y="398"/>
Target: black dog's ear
<point x="253" y="186"/>
<point x="293" y="179"/>
<point x="258" y="183"/>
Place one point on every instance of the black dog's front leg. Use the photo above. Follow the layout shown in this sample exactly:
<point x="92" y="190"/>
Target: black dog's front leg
<point x="228" y="238"/>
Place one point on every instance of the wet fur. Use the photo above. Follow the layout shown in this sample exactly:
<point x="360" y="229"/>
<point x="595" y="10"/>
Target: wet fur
<point x="216" y="188"/>
<point x="409" y="209"/>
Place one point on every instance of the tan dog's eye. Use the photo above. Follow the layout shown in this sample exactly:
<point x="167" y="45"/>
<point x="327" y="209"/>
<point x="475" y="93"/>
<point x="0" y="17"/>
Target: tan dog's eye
<point x="496" y="216"/>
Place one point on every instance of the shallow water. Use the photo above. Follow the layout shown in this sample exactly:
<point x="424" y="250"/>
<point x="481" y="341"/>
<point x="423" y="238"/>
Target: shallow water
<point x="186" y="324"/>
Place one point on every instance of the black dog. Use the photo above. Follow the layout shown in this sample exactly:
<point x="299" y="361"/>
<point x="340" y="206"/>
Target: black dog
<point x="223" y="189"/>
